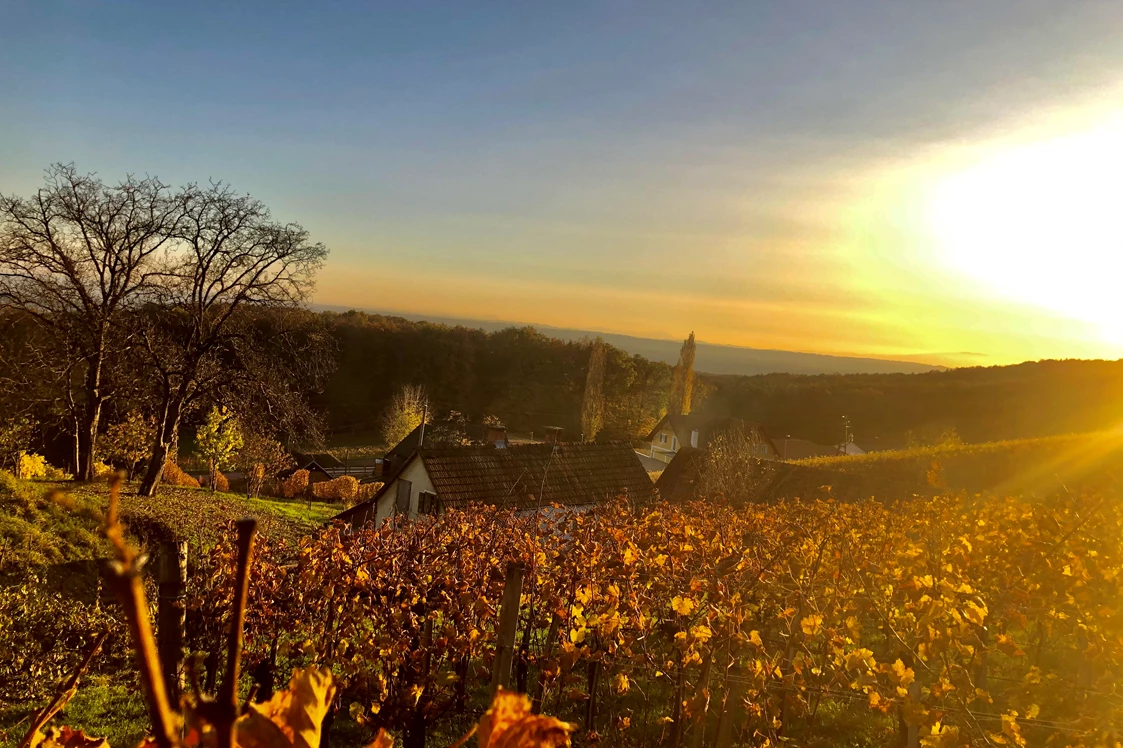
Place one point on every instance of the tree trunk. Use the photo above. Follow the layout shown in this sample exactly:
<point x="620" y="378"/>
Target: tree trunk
<point x="165" y="438"/>
<point x="87" y="443"/>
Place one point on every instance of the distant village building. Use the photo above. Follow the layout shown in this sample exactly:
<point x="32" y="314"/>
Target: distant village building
<point x="443" y="434"/>
<point x="673" y="433"/>
<point x="519" y="476"/>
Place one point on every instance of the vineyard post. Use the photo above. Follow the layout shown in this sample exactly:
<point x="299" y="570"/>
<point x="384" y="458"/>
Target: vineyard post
<point x="591" y="707"/>
<point x="540" y="685"/>
<point x="736" y="683"/>
<point x="914" y="726"/>
<point x="171" y="615"/>
<point x="701" y="691"/>
<point x="508" y="626"/>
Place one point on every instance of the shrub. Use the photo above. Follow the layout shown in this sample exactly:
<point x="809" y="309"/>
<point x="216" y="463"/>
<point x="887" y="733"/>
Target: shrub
<point x="31" y="466"/>
<point x="295" y="485"/>
<point x="342" y="489"/>
<point x="102" y="470"/>
<point x="221" y="482"/>
<point x="173" y="476"/>
<point x="367" y="491"/>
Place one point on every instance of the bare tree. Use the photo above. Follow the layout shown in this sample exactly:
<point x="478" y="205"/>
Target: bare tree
<point x="592" y="404"/>
<point x="200" y="336"/>
<point x="682" y="386"/>
<point x="733" y="467"/>
<point x="74" y="257"/>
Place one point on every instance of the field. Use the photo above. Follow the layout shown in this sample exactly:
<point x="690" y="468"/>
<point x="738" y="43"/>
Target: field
<point x="981" y="620"/>
<point x="1017" y="467"/>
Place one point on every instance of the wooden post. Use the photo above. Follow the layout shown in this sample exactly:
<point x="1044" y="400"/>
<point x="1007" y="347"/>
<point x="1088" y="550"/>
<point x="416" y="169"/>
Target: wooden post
<point x="171" y="616"/>
<point x="591" y="706"/>
<point x="540" y="686"/>
<point x="508" y="627"/>
<point x="736" y="684"/>
<point x="914" y="727"/>
<point x="700" y="690"/>
<point x="981" y="667"/>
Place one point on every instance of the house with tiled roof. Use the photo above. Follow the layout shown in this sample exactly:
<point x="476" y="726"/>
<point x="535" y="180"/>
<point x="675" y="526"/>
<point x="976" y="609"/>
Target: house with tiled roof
<point x="521" y="476"/>
<point x="672" y="433"/>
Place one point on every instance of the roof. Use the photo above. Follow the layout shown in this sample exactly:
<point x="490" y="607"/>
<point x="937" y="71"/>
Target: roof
<point x="472" y="431"/>
<point x="801" y="449"/>
<point x="679" y="480"/>
<point x="322" y="459"/>
<point x="565" y="474"/>
<point x="783" y="480"/>
<point x="707" y="426"/>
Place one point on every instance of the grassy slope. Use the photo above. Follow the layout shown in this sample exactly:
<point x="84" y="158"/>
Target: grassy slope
<point x="49" y="531"/>
<point x="1021" y="466"/>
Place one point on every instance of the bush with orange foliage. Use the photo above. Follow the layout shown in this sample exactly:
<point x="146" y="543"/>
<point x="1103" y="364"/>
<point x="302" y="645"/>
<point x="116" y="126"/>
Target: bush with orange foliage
<point x="295" y="485"/>
<point x="173" y="476"/>
<point x="342" y="488"/>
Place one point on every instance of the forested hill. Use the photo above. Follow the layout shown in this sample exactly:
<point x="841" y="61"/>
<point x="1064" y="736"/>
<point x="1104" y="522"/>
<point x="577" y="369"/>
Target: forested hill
<point x="888" y="410"/>
<point x="525" y="378"/>
<point x="530" y="380"/>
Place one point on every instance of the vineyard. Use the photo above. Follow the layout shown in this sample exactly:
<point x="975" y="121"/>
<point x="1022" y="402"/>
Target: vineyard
<point x="941" y="622"/>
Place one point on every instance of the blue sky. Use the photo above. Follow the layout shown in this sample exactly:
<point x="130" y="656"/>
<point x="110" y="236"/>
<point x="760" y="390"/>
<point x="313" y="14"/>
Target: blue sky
<point x="646" y="168"/>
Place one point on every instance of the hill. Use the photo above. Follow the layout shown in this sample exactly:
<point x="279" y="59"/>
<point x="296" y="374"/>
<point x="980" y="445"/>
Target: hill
<point x="892" y="411"/>
<point x="1032" y="467"/>
<point x="711" y="357"/>
<point x="531" y="380"/>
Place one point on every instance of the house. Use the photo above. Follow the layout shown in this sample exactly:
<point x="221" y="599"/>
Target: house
<point x="317" y="466"/>
<point x="522" y="476"/>
<point x="675" y="432"/>
<point x="446" y="433"/>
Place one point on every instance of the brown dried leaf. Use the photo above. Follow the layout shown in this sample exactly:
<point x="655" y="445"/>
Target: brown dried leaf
<point x="64" y="737"/>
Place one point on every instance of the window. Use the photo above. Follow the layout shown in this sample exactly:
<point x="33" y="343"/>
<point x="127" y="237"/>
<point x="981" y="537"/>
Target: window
<point x="428" y="503"/>
<point x="674" y="443"/>
<point x="662" y="438"/>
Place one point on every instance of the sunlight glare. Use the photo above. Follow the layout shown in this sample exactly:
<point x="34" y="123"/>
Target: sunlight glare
<point x="1042" y="223"/>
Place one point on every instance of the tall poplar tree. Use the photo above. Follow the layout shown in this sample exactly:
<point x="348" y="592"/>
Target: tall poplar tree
<point x="592" y="405"/>
<point x="682" y="386"/>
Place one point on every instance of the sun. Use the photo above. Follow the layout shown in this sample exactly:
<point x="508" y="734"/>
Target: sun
<point x="1041" y="223"/>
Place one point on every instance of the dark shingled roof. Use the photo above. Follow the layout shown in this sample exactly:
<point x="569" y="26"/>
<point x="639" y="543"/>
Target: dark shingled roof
<point x="679" y="480"/>
<point x="574" y="474"/>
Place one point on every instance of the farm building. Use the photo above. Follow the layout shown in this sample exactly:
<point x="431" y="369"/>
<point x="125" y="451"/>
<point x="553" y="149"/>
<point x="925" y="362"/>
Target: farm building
<point x="522" y="476"/>
<point x="317" y="466"/>
<point x="673" y="433"/>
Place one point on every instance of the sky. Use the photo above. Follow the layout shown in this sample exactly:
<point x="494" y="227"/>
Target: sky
<point x="938" y="181"/>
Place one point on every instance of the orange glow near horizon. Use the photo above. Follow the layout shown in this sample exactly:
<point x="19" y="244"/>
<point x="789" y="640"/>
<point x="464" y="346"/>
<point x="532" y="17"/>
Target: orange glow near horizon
<point x="995" y="251"/>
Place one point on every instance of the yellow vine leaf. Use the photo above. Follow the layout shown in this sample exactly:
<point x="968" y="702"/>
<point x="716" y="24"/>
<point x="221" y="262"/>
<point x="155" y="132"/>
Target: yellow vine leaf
<point x="682" y="605"/>
<point x="292" y="717"/>
<point x="811" y="624"/>
<point x="509" y="724"/>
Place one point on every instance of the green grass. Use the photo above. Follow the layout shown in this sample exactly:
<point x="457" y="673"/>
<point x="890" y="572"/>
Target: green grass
<point x="52" y="524"/>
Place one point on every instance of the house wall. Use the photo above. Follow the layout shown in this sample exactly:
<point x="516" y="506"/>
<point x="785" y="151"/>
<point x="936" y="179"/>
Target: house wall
<point x="415" y="474"/>
<point x="665" y="452"/>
